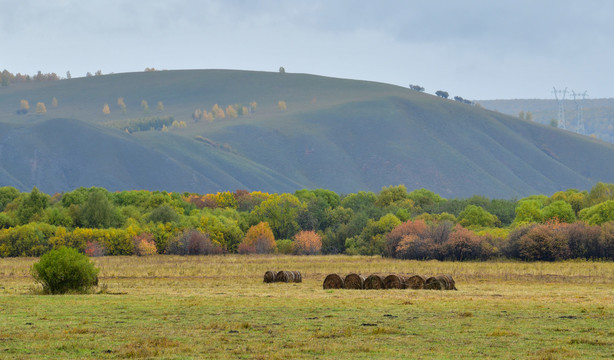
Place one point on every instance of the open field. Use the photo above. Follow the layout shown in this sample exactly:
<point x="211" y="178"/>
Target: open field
<point x="218" y="307"/>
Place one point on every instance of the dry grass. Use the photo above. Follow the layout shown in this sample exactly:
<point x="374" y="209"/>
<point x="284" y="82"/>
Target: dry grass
<point x="218" y="307"/>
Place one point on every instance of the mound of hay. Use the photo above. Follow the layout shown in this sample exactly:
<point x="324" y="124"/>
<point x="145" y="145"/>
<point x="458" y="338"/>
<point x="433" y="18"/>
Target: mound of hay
<point x="394" y="282"/>
<point x="415" y="282"/>
<point x="284" y="276"/>
<point x="434" y="283"/>
<point x="297" y="276"/>
<point x="374" y="282"/>
<point x="269" y="276"/>
<point x="440" y="282"/>
<point x="354" y="281"/>
<point x="450" y="283"/>
<point x="333" y="281"/>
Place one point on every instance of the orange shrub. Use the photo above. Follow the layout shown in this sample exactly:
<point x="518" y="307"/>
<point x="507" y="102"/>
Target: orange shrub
<point x="307" y="243"/>
<point x="259" y="239"/>
<point x="144" y="244"/>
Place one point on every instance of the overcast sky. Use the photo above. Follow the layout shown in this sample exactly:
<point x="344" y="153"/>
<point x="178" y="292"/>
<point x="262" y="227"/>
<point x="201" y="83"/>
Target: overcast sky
<point x="477" y="49"/>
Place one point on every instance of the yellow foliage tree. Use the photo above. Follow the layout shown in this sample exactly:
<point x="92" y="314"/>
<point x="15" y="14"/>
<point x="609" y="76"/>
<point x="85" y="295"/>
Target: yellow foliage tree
<point x="144" y="106"/>
<point x="259" y="239"/>
<point x="40" y="108"/>
<point x="160" y="106"/>
<point x="106" y="110"/>
<point x="231" y="111"/>
<point x="54" y="102"/>
<point x="253" y="105"/>
<point x="121" y="104"/>
<point x="207" y="116"/>
<point x="24" y="105"/>
<point x="281" y="105"/>
<point x="218" y="112"/>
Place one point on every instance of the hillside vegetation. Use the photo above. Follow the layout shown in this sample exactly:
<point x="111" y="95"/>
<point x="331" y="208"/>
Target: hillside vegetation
<point x="598" y="114"/>
<point x="291" y="131"/>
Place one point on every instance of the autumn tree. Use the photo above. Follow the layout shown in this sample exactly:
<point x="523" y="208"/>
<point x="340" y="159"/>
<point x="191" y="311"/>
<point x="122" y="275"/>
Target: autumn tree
<point x="281" y="105"/>
<point x="121" y="104"/>
<point x="24" y="106"/>
<point x="105" y="109"/>
<point x="144" y="106"/>
<point x="98" y="73"/>
<point x="218" y="112"/>
<point x="41" y="108"/>
<point x="231" y="111"/>
<point x="307" y="243"/>
<point x="160" y="106"/>
<point x="54" y="102"/>
<point x="253" y="105"/>
<point x="259" y="239"/>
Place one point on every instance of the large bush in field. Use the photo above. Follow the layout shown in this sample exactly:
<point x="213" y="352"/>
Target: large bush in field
<point x="65" y="270"/>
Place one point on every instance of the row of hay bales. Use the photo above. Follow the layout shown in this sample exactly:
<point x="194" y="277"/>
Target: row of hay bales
<point x="282" y="276"/>
<point x="375" y="282"/>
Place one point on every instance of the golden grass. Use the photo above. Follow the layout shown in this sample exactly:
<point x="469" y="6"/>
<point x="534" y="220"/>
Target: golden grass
<point x="219" y="307"/>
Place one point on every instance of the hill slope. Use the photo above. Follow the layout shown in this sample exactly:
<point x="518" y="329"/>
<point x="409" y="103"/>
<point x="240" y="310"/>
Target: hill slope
<point x="343" y="135"/>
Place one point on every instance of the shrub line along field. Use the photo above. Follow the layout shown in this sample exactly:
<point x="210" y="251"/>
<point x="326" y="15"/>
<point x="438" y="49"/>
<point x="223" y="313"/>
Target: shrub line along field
<point x="179" y="307"/>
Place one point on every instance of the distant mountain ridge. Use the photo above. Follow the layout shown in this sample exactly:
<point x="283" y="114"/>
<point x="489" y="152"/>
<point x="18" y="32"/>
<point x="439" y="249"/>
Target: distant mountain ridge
<point x="343" y="135"/>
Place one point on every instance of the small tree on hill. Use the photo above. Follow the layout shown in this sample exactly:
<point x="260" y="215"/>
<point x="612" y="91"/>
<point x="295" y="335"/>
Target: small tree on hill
<point x="160" y="106"/>
<point x="442" y="94"/>
<point x="41" y="108"/>
<point x="144" y="106"/>
<point x="54" y="102"/>
<point x="24" y="106"/>
<point x="105" y="109"/>
<point x="281" y="105"/>
<point x="121" y="104"/>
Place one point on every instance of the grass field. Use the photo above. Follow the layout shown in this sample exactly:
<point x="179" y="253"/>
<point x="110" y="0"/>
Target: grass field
<point x="218" y="307"/>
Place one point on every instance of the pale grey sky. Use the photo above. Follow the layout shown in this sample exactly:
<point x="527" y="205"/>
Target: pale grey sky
<point x="477" y="49"/>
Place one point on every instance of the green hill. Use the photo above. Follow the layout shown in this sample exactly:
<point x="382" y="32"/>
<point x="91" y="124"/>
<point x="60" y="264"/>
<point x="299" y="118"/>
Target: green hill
<point x="344" y="135"/>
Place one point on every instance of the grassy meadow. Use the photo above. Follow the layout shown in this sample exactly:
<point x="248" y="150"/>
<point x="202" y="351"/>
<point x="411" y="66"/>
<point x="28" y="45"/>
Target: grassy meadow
<point x="218" y="307"/>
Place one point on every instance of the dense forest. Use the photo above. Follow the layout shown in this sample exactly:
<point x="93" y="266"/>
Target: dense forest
<point x="393" y="222"/>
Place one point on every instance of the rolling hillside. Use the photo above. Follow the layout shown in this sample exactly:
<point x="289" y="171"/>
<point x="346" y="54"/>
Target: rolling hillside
<point x="343" y="135"/>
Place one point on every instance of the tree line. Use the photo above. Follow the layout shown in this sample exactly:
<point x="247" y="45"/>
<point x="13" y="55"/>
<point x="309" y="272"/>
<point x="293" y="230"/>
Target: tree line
<point x="393" y="222"/>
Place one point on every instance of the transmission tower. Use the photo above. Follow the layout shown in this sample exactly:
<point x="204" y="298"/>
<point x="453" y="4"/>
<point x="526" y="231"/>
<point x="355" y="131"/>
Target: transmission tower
<point x="559" y="95"/>
<point x="579" y="128"/>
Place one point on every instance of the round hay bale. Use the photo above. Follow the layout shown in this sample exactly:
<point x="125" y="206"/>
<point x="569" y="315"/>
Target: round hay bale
<point x="434" y="283"/>
<point x="284" y="276"/>
<point x="269" y="276"/>
<point x="297" y="276"/>
<point x="394" y="282"/>
<point x="333" y="281"/>
<point x="374" y="282"/>
<point x="354" y="281"/>
<point x="451" y="284"/>
<point x="415" y="282"/>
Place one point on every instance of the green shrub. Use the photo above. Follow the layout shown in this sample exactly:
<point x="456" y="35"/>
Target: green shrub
<point x="285" y="246"/>
<point x="65" y="270"/>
